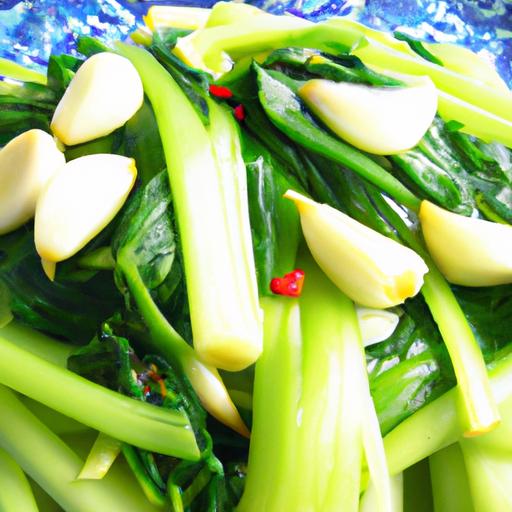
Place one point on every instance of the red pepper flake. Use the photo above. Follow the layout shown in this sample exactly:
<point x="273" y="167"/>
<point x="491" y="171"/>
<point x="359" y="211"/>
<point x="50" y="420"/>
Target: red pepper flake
<point x="290" y="285"/>
<point x="219" y="91"/>
<point x="239" y="112"/>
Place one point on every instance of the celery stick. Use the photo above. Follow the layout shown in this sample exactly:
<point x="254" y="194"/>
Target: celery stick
<point x="497" y="102"/>
<point x="227" y="332"/>
<point x="490" y="477"/>
<point x="54" y="420"/>
<point x="476" y="403"/>
<point x="15" y="494"/>
<point x="54" y="466"/>
<point x="101" y="457"/>
<point x="476" y="121"/>
<point x="138" y="423"/>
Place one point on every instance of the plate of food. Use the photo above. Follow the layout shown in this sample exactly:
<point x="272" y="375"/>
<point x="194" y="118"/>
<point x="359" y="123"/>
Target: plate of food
<point x="255" y="257"/>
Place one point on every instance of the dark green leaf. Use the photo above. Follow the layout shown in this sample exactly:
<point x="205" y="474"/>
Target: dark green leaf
<point x="288" y="113"/>
<point x="274" y="220"/>
<point x="417" y="46"/>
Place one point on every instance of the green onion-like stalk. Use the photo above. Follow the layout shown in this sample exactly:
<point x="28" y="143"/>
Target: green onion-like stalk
<point x="37" y="343"/>
<point x="274" y="436"/>
<point x="207" y="181"/>
<point x="16" y="493"/>
<point x="489" y="467"/>
<point x="54" y="466"/>
<point x="205" y="379"/>
<point x="138" y="423"/>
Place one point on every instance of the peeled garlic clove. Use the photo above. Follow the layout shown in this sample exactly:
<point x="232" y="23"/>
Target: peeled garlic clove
<point x="376" y="325"/>
<point x="371" y="269"/>
<point x="27" y="162"/>
<point x="380" y="120"/>
<point x="105" y="92"/>
<point x="468" y="251"/>
<point x="80" y="200"/>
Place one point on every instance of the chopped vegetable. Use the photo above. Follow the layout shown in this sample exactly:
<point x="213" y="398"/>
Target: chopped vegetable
<point x="205" y="169"/>
<point x="200" y="169"/>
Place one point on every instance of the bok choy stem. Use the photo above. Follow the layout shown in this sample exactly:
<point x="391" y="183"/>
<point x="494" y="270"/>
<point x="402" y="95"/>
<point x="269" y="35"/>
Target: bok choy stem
<point x="54" y="466"/>
<point x="205" y="379"/>
<point x="16" y="493"/>
<point x="141" y="424"/>
<point x="436" y="425"/>
<point x="477" y="407"/>
<point x="207" y="184"/>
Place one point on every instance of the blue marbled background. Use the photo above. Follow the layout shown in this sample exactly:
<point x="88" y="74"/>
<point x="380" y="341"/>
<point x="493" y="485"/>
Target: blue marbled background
<point x="30" y="30"/>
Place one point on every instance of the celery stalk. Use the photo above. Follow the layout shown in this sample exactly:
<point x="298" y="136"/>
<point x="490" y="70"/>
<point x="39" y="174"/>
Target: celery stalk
<point x="212" y="226"/>
<point x="16" y="493"/>
<point x="54" y="466"/>
<point x="477" y="121"/>
<point x="138" y="423"/>
<point x="489" y="475"/>
<point x="467" y="89"/>
<point x="476" y="403"/>
<point x="103" y="454"/>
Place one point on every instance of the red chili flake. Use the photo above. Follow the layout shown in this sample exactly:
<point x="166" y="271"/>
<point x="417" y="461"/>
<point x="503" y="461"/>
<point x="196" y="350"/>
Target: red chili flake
<point x="290" y="285"/>
<point x="239" y="112"/>
<point x="219" y="91"/>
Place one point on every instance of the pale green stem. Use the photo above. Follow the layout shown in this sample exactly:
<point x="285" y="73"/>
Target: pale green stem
<point x="54" y="466"/>
<point x="15" y="492"/>
<point x="16" y="71"/>
<point x="449" y="478"/>
<point x="138" y="423"/>
<point x="436" y="425"/>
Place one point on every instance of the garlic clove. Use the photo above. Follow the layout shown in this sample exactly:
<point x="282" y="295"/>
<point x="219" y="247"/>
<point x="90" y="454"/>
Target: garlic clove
<point x="371" y="269"/>
<point x="376" y="325"/>
<point x="468" y="251"/>
<point x="105" y="92"/>
<point x="80" y="200"/>
<point x="27" y="162"/>
<point x="380" y="120"/>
